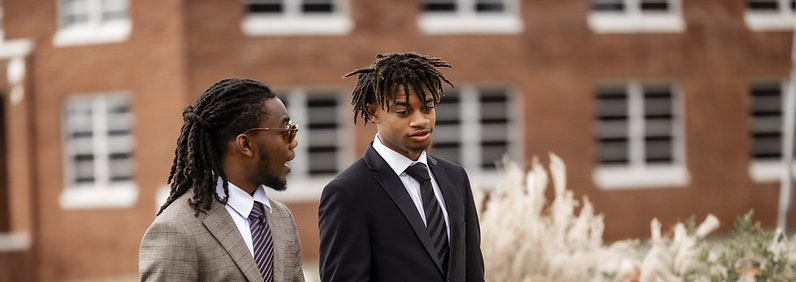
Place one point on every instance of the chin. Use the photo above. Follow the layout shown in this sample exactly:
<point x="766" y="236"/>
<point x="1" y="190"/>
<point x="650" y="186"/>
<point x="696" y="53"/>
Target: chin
<point x="275" y="182"/>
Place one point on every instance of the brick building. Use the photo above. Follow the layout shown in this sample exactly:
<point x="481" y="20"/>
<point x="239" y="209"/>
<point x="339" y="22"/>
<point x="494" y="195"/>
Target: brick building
<point x="660" y="108"/>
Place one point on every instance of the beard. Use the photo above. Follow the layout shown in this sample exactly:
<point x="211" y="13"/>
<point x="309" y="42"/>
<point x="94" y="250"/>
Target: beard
<point x="267" y="177"/>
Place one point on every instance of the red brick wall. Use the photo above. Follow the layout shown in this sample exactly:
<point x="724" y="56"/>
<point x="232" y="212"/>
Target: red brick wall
<point x="178" y="48"/>
<point x="74" y="244"/>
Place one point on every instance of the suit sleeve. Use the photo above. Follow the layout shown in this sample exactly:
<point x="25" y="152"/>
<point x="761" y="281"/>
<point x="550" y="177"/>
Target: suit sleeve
<point x="345" y="243"/>
<point x="475" y="260"/>
<point x="167" y="254"/>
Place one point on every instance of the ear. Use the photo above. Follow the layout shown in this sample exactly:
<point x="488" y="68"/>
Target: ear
<point x="243" y="145"/>
<point x="372" y="113"/>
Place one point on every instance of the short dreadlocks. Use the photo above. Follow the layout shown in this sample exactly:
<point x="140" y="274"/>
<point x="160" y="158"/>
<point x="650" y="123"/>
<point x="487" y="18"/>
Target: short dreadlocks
<point x="378" y="83"/>
<point x="223" y="111"/>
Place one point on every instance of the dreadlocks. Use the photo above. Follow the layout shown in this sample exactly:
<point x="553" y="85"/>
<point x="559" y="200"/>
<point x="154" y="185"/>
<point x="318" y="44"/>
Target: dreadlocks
<point x="378" y="83"/>
<point x="223" y="111"/>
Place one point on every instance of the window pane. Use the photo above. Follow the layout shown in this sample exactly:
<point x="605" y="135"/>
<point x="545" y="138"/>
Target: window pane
<point x="654" y="5"/>
<point x="265" y="6"/>
<point x="766" y="121"/>
<point x="613" y="151"/>
<point x="439" y="5"/>
<point x="494" y="126"/>
<point x="658" y="124"/>
<point x="83" y="166"/>
<point x="74" y="12"/>
<point x="114" y="9"/>
<point x="658" y="150"/>
<point x="764" y="5"/>
<point x="323" y="128"/>
<point x="446" y="140"/>
<point x="317" y="6"/>
<point x="121" y="167"/>
<point x="490" y="6"/>
<point x="612" y="124"/>
<point x="608" y="5"/>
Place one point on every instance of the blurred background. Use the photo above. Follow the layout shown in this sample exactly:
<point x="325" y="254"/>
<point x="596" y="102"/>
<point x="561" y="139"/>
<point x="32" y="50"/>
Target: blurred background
<point x="659" y="108"/>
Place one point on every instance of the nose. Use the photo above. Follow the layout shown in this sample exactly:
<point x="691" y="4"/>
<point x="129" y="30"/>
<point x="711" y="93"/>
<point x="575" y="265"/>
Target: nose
<point x="293" y="144"/>
<point x="419" y="119"/>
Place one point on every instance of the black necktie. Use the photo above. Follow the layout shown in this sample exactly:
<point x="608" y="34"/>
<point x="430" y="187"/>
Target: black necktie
<point x="435" y="222"/>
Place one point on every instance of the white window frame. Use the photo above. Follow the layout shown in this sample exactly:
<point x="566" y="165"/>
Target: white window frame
<point x="470" y="133"/>
<point x="465" y="20"/>
<point x="637" y="173"/>
<point x="766" y="171"/>
<point x="783" y="19"/>
<point x="291" y="21"/>
<point x="633" y="20"/>
<point x="303" y="187"/>
<point x="101" y="193"/>
<point x="95" y="31"/>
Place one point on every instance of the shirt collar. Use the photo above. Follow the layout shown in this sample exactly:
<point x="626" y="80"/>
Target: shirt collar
<point x="395" y="160"/>
<point x="242" y="202"/>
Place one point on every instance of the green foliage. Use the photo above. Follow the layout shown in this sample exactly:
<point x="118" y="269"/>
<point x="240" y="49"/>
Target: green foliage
<point x="749" y="253"/>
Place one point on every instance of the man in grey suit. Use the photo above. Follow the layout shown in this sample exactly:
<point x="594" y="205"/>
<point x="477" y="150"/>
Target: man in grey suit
<point x="218" y="223"/>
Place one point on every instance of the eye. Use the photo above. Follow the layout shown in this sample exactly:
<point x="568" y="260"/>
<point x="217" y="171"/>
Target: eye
<point x="401" y="112"/>
<point x="428" y="109"/>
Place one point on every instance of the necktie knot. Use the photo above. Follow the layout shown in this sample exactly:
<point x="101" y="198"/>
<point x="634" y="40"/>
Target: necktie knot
<point x="257" y="211"/>
<point x="419" y="172"/>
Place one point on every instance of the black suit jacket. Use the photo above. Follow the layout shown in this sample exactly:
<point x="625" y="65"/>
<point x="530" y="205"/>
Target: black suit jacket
<point x="370" y="229"/>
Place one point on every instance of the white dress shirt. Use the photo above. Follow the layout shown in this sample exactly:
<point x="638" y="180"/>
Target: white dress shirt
<point x="399" y="163"/>
<point x="239" y="206"/>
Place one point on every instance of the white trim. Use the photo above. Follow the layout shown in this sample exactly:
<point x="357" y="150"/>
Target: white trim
<point x="301" y="189"/>
<point x="486" y="180"/>
<point x="634" y="20"/>
<point x="622" y="178"/>
<point x="466" y="20"/>
<point x="761" y="21"/>
<point x="293" y="22"/>
<point x="639" y="23"/>
<point x="782" y="19"/>
<point x="96" y="197"/>
<point x="767" y="171"/>
<point x="469" y="24"/>
<point x="257" y="25"/>
<point x="470" y="127"/>
<point x="87" y="34"/>
<point x="14" y="241"/>
<point x="15" y="48"/>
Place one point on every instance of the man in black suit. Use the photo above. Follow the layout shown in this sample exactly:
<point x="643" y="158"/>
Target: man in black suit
<point x="398" y="214"/>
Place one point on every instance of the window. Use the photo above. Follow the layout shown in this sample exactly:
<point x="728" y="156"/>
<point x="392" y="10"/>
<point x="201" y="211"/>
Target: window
<point x="470" y="16"/>
<point x="770" y="14"/>
<point x="322" y="152"/>
<point x="766" y="128"/>
<point x="83" y="22"/>
<point x="639" y="136"/>
<point x="98" y="151"/>
<point x="609" y="16"/>
<point x="296" y="17"/>
<point x="475" y="128"/>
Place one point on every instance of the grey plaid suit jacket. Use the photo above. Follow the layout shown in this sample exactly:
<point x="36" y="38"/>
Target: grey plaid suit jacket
<point x="179" y="246"/>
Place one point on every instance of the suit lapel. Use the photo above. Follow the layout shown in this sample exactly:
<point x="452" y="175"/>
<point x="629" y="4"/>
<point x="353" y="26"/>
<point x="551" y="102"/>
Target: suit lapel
<point x="220" y="225"/>
<point x="276" y="235"/>
<point x="393" y="186"/>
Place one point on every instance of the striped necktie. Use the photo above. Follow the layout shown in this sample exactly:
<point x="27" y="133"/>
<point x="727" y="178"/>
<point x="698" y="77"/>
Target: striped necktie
<point x="435" y="223"/>
<point x="262" y="242"/>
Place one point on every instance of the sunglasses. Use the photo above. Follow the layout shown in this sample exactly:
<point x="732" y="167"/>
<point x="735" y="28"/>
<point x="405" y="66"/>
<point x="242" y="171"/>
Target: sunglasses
<point x="289" y="131"/>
